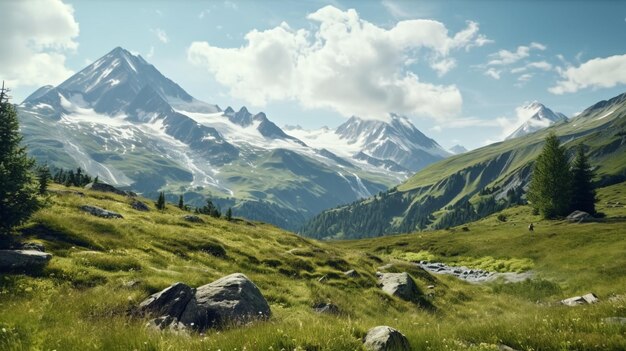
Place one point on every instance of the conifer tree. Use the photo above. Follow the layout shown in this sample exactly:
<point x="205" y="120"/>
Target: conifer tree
<point x="229" y="214"/>
<point x="181" y="202"/>
<point x="17" y="191"/>
<point x="583" y="194"/>
<point x="160" y="204"/>
<point x="550" y="186"/>
<point x="43" y="178"/>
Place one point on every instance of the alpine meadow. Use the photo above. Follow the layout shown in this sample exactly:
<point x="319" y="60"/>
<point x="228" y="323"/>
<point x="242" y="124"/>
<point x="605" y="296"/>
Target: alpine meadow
<point x="381" y="175"/>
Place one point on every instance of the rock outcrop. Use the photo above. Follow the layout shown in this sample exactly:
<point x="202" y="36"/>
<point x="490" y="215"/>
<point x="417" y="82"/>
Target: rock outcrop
<point x="23" y="260"/>
<point x="400" y="285"/>
<point x="579" y="217"/>
<point x="193" y="219"/>
<point x="100" y="212"/>
<point x="139" y="206"/>
<point x="326" y="308"/>
<point x="384" y="338"/>
<point x="233" y="299"/>
<point x="106" y="188"/>
<point x="581" y="300"/>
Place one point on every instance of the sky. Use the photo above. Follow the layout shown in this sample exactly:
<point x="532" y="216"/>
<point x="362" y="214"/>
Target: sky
<point x="461" y="70"/>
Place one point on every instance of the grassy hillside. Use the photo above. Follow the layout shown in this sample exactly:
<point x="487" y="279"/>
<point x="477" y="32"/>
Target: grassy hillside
<point x="102" y="268"/>
<point x="433" y="196"/>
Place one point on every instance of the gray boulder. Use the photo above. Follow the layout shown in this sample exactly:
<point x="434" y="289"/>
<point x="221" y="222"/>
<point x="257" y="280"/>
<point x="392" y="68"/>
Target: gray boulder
<point x="233" y="299"/>
<point x="400" y="285"/>
<point x="581" y="300"/>
<point x="170" y="302"/>
<point x="100" y="212"/>
<point x="384" y="338"/>
<point x="139" y="206"/>
<point x="193" y="219"/>
<point x="579" y="217"/>
<point x="23" y="260"/>
<point x="106" y="188"/>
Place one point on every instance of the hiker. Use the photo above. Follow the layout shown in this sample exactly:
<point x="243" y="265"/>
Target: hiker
<point x="531" y="227"/>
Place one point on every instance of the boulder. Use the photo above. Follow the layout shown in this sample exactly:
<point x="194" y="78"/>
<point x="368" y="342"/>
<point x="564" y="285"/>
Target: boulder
<point x="400" y="285"/>
<point x="193" y="219"/>
<point x="384" y="338"/>
<point x="100" y="212"/>
<point x="23" y="260"/>
<point x="139" y="206"/>
<point x="170" y="302"/>
<point x="579" y="217"/>
<point x="327" y="308"/>
<point x="580" y="300"/>
<point x="233" y="299"/>
<point x="106" y="188"/>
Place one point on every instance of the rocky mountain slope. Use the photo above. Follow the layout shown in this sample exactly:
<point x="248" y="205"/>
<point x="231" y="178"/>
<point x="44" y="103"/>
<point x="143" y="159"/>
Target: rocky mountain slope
<point x="474" y="184"/>
<point x="122" y="120"/>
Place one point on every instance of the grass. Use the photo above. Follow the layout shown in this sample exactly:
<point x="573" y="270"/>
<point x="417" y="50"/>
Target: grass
<point x="102" y="269"/>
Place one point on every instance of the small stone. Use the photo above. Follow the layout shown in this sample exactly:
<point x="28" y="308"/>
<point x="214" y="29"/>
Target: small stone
<point x="100" y="212"/>
<point x="193" y="219"/>
<point x="384" y="338"/>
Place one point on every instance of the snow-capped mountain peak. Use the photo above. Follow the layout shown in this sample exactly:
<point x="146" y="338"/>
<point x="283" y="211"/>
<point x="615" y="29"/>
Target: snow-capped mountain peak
<point x="535" y="116"/>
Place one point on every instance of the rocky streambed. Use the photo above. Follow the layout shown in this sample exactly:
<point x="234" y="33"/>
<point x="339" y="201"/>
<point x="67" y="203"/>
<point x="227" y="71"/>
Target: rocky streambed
<point x="473" y="275"/>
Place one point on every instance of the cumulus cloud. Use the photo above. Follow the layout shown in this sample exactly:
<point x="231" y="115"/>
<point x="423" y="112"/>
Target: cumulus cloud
<point x="493" y="73"/>
<point x="601" y="72"/>
<point x="36" y="35"/>
<point x="161" y="35"/>
<point x="344" y="63"/>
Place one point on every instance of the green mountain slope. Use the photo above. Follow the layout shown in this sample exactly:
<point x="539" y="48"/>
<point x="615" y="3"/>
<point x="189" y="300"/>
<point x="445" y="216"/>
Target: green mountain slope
<point x="102" y="268"/>
<point x="469" y="186"/>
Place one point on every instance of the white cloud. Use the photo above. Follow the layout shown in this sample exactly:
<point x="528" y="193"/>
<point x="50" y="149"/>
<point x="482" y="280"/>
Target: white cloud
<point x="344" y="63"/>
<point x="542" y="65"/>
<point x="161" y="35"/>
<point x="35" y="36"/>
<point x="150" y="53"/>
<point x="493" y="73"/>
<point x="525" y="77"/>
<point x="601" y="72"/>
<point x="395" y="9"/>
<point x="506" y="57"/>
<point x="444" y="66"/>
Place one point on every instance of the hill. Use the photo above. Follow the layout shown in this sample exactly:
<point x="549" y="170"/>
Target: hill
<point x="472" y="185"/>
<point x="102" y="268"/>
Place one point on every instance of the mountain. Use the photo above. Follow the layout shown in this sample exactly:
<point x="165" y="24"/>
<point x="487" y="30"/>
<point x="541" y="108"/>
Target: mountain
<point x="121" y="119"/>
<point x="536" y="117"/>
<point x="472" y="185"/>
<point x="457" y="149"/>
<point x="394" y="144"/>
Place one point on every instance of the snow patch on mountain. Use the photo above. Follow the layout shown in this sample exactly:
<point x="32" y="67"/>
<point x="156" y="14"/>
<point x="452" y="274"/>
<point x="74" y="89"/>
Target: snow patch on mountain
<point x="533" y="117"/>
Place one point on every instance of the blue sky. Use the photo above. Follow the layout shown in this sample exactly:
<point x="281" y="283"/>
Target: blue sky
<point x="460" y="76"/>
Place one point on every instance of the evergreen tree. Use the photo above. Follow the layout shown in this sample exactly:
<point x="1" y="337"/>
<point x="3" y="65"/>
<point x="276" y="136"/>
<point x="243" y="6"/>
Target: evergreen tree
<point x="229" y="214"/>
<point x="17" y="192"/>
<point x="160" y="204"/>
<point x="43" y="178"/>
<point x="550" y="186"/>
<point x="583" y="195"/>
<point x="96" y="180"/>
<point x="181" y="202"/>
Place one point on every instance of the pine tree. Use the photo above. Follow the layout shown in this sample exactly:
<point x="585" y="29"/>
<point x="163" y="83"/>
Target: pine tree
<point x="96" y="180"/>
<point x="160" y="204"/>
<point x="550" y="185"/>
<point x="229" y="214"/>
<point x="43" y="178"/>
<point x="181" y="202"/>
<point x="17" y="192"/>
<point x="583" y="194"/>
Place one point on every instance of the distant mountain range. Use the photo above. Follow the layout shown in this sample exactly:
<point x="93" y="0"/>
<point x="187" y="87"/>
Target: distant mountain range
<point x="458" y="149"/>
<point x="536" y="117"/>
<point x="474" y="184"/>
<point x="121" y="119"/>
